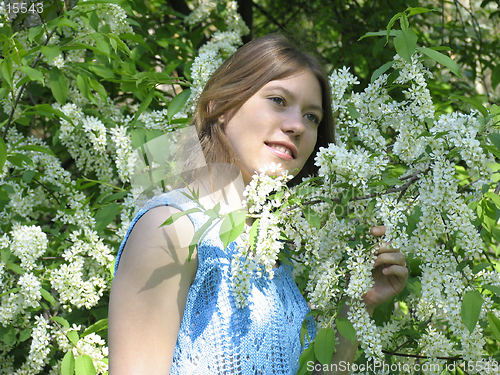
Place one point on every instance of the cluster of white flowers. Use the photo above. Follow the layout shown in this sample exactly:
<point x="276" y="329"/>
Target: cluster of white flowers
<point x="28" y="243"/>
<point x="89" y="133"/>
<point x="366" y="330"/>
<point x="210" y="55"/>
<point x="125" y="156"/>
<point x="462" y="131"/>
<point x="154" y="120"/>
<point x="263" y="184"/>
<point x="3" y="14"/>
<point x="95" y="347"/>
<point x="260" y="259"/>
<point x="39" y="349"/>
<point x="82" y="280"/>
<point x="353" y="166"/>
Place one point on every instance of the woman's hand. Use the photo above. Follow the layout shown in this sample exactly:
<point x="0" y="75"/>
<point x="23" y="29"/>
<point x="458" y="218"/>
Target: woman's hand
<point x="389" y="273"/>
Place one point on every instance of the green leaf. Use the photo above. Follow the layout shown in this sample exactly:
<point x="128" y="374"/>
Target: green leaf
<point x="413" y="220"/>
<point x="49" y="111"/>
<point x="84" y="365"/>
<point x="48" y="297"/>
<point x="34" y="75"/>
<point x="73" y="337"/>
<point x="35" y="33"/>
<point x="254" y="230"/>
<point x="94" y="21"/>
<point x="61" y="321"/>
<point x="50" y="52"/>
<point x="6" y="32"/>
<point x="177" y="103"/>
<point x="25" y="334"/>
<point x="405" y="24"/>
<point x="353" y="112"/>
<point x="145" y="104"/>
<point x="471" y="308"/>
<point x="3" y="153"/>
<point x="213" y="212"/>
<point x="102" y="43"/>
<point x="480" y="267"/>
<point x="105" y="216"/>
<point x="415" y="286"/>
<point x="7" y="71"/>
<point x="312" y="217"/>
<point x="390" y="25"/>
<point x="306" y="356"/>
<point x="36" y="148"/>
<point x="495" y="139"/>
<point x="198" y="236"/>
<point x="324" y="345"/>
<point x="58" y="85"/>
<point x="493" y="288"/>
<point x="475" y="103"/>
<point x="177" y="215"/>
<point x="99" y="89"/>
<point x="16" y="268"/>
<point x="232" y="226"/>
<point x="115" y="196"/>
<point x="8" y="335"/>
<point x="68" y="364"/>
<point x="101" y="71"/>
<point x="441" y="59"/>
<point x="378" y="33"/>
<point x="420" y="10"/>
<point x="487" y="214"/>
<point x="391" y="181"/>
<point x="494" y="325"/>
<point x="384" y="68"/>
<point x="18" y="159"/>
<point x="406" y="44"/>
<point x="346" y="329"/>
<point x="83" y="85"/>
<point x="62" y="21"/>
<point x="96" y="327"/>
<point x="495" y="76"/>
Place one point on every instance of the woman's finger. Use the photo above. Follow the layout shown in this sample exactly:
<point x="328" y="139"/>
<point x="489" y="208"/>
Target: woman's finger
<point x="378" y="230"/>
<point x="393" y="258"/>
<point x="396" y="270"/>
<point x="384" y="247"/>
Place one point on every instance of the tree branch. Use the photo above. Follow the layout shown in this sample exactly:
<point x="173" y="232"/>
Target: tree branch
<point x="21" y="90"/>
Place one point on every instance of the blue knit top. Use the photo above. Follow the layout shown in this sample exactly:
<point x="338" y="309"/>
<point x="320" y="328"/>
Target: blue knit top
<point x="215" y="336"/>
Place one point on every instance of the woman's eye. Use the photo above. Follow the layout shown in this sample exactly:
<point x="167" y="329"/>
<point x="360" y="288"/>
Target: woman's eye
<point x="313" y="118"/>
<point x="278" y="100"/>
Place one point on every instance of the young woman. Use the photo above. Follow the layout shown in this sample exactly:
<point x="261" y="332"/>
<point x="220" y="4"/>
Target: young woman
<point x="269" y="102"/>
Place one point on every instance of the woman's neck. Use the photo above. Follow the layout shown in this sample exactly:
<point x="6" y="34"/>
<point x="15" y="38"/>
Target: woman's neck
<point x="220" y="183"/>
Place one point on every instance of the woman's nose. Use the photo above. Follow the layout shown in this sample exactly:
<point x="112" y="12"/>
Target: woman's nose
<point x="293" y="123"/>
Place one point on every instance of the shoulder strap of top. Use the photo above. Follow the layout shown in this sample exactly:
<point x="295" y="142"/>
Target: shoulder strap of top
<point x="175" y="199"/>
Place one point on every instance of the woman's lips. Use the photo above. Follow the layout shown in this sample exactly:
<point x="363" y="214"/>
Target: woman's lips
<point x="280" y="150"/>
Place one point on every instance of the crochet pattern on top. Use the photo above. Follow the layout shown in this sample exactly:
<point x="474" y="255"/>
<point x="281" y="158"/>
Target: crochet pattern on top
<point x="215" y="336"/>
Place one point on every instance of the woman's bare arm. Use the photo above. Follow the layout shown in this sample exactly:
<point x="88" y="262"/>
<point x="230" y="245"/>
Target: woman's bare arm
<point x="149" y="294"/>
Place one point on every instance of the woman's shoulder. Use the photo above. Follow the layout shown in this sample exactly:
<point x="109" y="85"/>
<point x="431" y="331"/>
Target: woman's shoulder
<point x="150" y="242"/>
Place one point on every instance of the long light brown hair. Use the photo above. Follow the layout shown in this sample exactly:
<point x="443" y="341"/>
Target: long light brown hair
<point x="258" y="62"/>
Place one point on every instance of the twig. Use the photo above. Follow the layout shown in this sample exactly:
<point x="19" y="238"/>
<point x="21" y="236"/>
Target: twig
<point x="48" y="190"/>
<point x="21" y="90"/>
<point x="412" y="178"/>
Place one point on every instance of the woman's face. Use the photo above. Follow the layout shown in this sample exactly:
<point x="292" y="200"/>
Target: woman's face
<point x="279" y="124"/>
